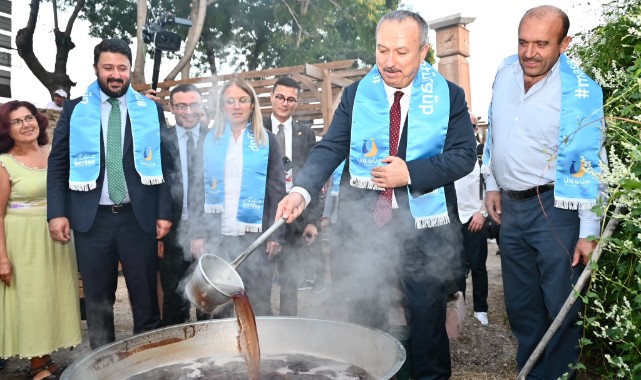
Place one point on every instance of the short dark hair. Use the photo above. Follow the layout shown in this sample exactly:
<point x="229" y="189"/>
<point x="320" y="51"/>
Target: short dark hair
<point x="111" y="45"/>
<point x="183" y="87"/>
<point x="287" y="82"/>
<point x="6" y="142"/>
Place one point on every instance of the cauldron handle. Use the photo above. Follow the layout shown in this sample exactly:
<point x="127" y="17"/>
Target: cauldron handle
<point x="261" y="239"/>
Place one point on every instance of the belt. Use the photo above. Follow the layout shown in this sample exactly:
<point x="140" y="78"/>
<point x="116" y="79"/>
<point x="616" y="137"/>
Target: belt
<point x="115" y="209"/>
<point x="529" y="193"/>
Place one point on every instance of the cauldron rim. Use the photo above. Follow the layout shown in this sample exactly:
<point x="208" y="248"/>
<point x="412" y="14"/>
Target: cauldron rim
<point x="130" y="346"/>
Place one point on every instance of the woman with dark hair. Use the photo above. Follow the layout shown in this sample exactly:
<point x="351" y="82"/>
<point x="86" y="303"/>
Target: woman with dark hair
<point x="244" y="181"/>
<point x="39" y="308"/>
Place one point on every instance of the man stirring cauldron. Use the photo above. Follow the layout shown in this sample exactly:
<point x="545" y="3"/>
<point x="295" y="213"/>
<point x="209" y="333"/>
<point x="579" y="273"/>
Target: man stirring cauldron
<point x="407" y="136"/>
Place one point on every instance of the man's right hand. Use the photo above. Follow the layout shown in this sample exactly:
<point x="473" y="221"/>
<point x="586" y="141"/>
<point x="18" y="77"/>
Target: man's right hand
<point x="290" y="207"/>
<point x="59" y="229"/>
<point x="493" y="205"/>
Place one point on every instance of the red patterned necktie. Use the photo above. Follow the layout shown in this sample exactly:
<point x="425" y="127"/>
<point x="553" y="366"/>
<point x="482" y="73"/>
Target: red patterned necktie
<point x="383" y="210"/>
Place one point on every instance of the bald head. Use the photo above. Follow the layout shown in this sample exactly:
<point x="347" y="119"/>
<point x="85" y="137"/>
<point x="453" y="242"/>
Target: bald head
<point x="543" y="11"/>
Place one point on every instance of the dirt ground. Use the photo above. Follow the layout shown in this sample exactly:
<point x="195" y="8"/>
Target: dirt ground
<point x="479" y="353"/>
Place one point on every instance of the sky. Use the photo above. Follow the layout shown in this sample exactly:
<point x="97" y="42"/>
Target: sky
<point x="493" y="36"/>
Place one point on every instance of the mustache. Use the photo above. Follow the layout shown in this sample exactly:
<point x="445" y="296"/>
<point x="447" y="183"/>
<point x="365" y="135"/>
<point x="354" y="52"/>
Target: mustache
<point x="115" y="80"/>
<point x="391" y="70"/>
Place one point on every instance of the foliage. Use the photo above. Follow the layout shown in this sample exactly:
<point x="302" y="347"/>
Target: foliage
<point x="254" y="34"/>
<point x="611" y="53"/>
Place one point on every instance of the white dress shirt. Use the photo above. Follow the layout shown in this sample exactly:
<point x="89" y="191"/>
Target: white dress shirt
<point x="288" y="131"/>
<point x="184" y="162"/>
<point x="468" y="196"/>
<point x="233" y="180"/>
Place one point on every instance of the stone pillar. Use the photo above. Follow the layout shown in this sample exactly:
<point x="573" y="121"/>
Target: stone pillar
<point x="452" y="49"/>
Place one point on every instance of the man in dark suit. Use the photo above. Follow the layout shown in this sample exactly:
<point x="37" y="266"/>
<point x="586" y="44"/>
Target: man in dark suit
<point x="295" y="141"/>
<point x="407" y="156"/>
<point x="186" y="239"/>
<point x="106" y="182"/>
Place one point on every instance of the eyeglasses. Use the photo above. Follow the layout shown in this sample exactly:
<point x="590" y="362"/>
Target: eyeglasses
<point x="184" y="106"/>
<point x="242" y="101"/>
<point x="19" y="122"/>
<point x="281" y="99"/>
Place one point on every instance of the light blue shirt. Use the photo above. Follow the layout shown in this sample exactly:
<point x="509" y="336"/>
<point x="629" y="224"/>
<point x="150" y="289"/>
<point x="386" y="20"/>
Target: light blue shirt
<point x="184" y="162"/>
<point x="525" y="135"/>
<point x="105" y="109"/>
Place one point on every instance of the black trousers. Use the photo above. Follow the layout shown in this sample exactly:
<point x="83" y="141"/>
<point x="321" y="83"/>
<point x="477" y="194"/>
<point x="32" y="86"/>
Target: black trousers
<point x="117" y="238"/>
<point x="173" y="268"/>
<point x="475" y="256"/>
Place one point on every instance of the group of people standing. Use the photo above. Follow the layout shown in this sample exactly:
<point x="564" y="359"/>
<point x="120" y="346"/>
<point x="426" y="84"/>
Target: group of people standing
<point x="119" y="186"/>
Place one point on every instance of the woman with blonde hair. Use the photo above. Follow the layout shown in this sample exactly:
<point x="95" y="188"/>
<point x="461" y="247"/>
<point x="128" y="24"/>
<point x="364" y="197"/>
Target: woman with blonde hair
<point x="39" y="307"/>
<point x="244" y="181"/>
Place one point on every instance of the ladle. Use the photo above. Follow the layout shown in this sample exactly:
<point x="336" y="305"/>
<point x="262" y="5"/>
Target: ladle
<point x="214" y="281"/>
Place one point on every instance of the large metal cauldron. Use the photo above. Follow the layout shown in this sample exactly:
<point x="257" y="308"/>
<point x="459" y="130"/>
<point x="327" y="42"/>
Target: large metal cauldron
<point x="376" y="352"/>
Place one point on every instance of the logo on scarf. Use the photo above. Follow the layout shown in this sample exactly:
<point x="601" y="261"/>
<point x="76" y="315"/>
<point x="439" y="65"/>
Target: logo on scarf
<point x="371" y="151"/>
<point x="580" y="172"/>
<point x="148" y="154"/>
<point x="214" y="183"/>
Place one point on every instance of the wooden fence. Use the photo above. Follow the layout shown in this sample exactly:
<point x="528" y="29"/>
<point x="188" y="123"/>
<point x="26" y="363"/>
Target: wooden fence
<point x="321" y="88"/>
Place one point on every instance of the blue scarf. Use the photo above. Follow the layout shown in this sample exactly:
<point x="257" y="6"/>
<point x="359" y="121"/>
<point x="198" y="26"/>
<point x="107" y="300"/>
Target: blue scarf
<point x="253" y="180"/>
<point x="576" y="186"/>
<point x="336" y="179"/>
<point x="84" y="139"/>
<point x="427" y="125"/>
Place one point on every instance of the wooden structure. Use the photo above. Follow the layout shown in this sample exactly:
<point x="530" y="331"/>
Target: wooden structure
<point x="321" y="88"/>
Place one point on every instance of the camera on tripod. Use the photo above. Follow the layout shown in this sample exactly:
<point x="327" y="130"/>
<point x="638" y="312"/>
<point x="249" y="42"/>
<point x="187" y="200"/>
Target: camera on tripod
<point x="156" y="32"/>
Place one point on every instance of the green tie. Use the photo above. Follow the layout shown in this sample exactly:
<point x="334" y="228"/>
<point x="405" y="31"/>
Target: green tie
<point x="115" y="173"/>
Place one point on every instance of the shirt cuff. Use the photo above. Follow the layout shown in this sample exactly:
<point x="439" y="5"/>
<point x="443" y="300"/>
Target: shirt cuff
<point x="490" y="183"/>
<point x="589" y="224"/>
<point x="303" y="192"/>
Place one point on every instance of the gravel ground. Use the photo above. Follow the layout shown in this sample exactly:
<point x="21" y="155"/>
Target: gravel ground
<point x="481" y="352"/>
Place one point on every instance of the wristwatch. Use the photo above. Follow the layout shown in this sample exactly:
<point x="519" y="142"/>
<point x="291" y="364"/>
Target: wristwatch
<point x="484" y="213"/>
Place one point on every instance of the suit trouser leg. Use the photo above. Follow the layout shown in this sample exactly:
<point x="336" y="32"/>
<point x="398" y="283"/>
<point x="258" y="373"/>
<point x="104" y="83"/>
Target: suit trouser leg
<point x="98" y="265"/>
<point x="289" y="271"/>
<point x="138" y="254"/>
<point x="172" y="268"/>
<point x="117" y="238"/>
<point x="536" y="252"/>
<point x="475" y="254"/>
<point x="426" y="292"/>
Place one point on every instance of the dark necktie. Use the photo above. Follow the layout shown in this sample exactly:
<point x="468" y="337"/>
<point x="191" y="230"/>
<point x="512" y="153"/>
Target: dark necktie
<point x="280" y="136"/>
<point x="115" y="172"/>
<point x="191" y="174"/>
<point x="383" y="209"/>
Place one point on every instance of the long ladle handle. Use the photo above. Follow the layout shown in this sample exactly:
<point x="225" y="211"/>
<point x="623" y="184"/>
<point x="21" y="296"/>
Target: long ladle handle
<point x="261" y="239"/>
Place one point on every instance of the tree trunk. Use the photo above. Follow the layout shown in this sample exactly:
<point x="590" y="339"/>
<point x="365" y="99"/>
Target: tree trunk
<point x="138" y="75"/>
<point x="24" y="44"/>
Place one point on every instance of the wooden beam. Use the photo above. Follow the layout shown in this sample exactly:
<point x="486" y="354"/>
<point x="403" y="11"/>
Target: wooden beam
<point x="317" y="72"/>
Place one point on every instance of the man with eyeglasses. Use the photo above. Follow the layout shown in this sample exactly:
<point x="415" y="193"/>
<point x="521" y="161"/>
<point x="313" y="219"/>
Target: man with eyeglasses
<point x="295" y="140"/>
<point x="186" y="240"/>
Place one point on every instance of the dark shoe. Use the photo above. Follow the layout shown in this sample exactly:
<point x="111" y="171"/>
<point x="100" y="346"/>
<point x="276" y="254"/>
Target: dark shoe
<point x="35" y="371"/>
<point x="58" y="372"/>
